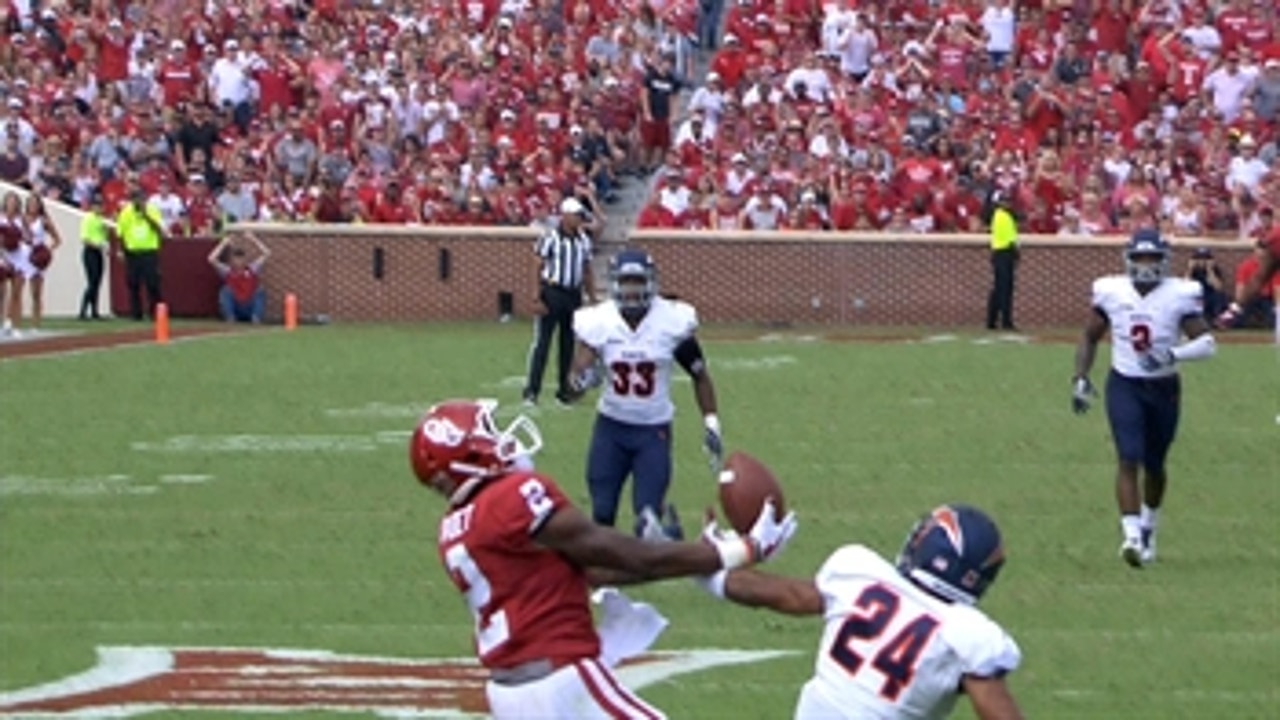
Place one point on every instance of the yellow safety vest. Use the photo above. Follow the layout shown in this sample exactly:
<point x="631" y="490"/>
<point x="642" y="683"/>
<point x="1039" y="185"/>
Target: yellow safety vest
<point x="136" y="233"/>
<point x="1004" y="230"/>
<point x="93" y="230"/>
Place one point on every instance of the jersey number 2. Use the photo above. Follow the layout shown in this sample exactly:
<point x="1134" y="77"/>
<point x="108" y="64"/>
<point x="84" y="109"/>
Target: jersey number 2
<point x="634" y="378"/>
<point x="491" y="627"/>
<point x="897" y="659"/>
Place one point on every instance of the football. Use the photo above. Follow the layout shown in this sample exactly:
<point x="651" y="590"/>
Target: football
<point x="745" y="483"/>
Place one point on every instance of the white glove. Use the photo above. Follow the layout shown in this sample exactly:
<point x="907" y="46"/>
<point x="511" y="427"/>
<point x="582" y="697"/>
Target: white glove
<point x="766" y="539"/>
<point x="592" y="376"/>
<point x="713" y="443"/>
<point x="1082" y="395"/>
<point x="651" y="529"/>
<point x="769" y="535"/>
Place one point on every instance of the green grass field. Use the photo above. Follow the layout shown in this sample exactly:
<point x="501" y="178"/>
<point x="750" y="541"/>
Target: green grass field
<point x="254" y="491"/>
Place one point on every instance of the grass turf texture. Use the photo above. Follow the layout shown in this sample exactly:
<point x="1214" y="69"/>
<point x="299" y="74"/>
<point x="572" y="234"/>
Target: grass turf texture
<point x="334" y="549"/>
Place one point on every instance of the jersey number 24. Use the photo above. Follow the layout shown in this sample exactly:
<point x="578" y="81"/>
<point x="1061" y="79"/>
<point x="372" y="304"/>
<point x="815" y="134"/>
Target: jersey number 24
<point x="896" y="660"/>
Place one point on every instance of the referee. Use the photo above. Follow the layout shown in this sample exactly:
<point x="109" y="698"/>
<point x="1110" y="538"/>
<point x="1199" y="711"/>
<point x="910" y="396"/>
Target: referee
<point x="141" y="230"/>
<point x="1004" y="261"/>
<point x="564" y="271"/>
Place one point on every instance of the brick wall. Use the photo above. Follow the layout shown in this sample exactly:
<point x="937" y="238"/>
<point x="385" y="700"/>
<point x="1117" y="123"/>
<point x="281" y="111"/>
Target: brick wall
<point x="785" y="278"/>
<point x="869" y="280"/>
<point x="332" y="270"/>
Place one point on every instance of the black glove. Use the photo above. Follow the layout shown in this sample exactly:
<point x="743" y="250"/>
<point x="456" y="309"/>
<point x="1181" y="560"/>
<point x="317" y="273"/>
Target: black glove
<point x="1082" y="395"/>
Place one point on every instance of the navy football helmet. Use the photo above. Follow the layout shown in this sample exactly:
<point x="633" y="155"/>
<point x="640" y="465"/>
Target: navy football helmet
<point x="633" y="281"/>
<point x="1146" y="257"/>
<point x="954" y="552"/>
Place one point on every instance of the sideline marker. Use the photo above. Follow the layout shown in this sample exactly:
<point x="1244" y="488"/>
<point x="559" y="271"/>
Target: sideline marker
<point x="162" y="323"/>
<point x="290" y="311"/>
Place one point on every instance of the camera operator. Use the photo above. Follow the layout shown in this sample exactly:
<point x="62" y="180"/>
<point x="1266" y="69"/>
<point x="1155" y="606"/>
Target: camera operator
<point x="1205" y="270"/>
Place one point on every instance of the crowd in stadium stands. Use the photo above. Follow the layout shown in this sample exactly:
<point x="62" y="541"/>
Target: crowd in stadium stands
<point x="1099" y="115"/>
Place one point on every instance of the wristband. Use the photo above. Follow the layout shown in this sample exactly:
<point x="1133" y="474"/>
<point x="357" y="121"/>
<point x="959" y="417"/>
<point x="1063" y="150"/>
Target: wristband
<point x="712" y="423"/>
<point x="735" y="552"/>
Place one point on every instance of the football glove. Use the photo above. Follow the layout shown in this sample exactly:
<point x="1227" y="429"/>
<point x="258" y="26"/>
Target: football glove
<point x="589" y="378"/>
<point x="713" y="444"/>
<point x="1082" y="395"/>
<point x="651" y="528"/>
<point x="1157" y="359"/>
<point x="767" y="538"/>
<point x="1230" y="317"/>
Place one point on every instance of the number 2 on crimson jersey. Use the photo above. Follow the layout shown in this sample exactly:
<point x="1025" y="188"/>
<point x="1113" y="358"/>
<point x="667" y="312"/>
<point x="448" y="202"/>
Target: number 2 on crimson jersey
<point x="897" y="659"/>
<point x="491" y="627"/>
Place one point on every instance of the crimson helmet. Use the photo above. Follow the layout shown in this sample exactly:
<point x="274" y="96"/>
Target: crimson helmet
<point x="460" y="440"/>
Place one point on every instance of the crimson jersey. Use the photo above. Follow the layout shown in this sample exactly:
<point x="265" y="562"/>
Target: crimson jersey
<point x="1272" y="243"/>
<point x="529" y="602"/>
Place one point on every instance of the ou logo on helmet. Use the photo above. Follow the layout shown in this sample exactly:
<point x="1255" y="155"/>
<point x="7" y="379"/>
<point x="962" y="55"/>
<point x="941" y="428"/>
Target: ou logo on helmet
<point x="442" y="431"/>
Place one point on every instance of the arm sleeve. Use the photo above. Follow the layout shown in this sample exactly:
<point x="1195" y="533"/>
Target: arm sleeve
<point x="689" y="354"/>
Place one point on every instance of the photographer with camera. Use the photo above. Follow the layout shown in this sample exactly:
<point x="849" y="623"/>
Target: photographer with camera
<point x="1205" y="270"/>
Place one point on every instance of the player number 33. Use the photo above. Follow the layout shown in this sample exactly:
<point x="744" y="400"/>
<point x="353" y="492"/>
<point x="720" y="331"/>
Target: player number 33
<point x="638" y="379"/>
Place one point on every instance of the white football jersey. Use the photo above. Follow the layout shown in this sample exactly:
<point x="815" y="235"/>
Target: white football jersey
<point x="891" y="651"/>
<point x="1141" y="323"/>
<point x="637" y="363"/>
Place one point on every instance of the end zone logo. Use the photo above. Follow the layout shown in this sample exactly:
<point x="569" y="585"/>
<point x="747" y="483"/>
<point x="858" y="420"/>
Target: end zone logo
<point x="134" y="681"/>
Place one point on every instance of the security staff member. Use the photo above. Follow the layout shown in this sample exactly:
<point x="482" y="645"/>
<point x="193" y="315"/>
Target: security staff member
<point x="1004" y="261"/>
<point x="94" y="234"/>
<point x="141" y="229"/>
<point x="564" y="271"/>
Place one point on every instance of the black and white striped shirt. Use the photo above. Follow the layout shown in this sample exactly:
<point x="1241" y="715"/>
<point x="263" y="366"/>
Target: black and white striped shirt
<point x="564" y="256"/>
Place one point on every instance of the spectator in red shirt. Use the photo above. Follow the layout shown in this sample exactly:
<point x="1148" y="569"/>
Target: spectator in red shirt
<point x="241" y="298"/>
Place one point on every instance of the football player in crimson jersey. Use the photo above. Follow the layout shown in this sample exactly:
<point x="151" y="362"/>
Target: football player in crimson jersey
<point x="1269" y="265"/>
<point x="1147" y="313"/>
<point x="902" y="640"/>
<point x="523" y="557"/>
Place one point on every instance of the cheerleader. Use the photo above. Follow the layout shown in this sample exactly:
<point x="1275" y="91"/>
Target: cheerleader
<point x="44" y="242"/>
<point x="17" y="256"/>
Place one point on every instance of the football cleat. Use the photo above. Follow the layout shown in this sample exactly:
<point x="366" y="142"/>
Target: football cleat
<point x="1131" y="552"/>
<point x="1148" y="546"/>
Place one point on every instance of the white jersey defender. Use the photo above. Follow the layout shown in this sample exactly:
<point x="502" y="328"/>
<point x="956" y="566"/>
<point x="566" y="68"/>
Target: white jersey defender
<point x="1141" y="323"/>
<point x="637" y="362"/>
<point x="901" y="640"/>
<point x="890" y="650"/>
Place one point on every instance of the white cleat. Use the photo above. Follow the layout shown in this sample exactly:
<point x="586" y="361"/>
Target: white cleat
<point x="1148" y="547"/>
<point x="1131" y="552"/>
